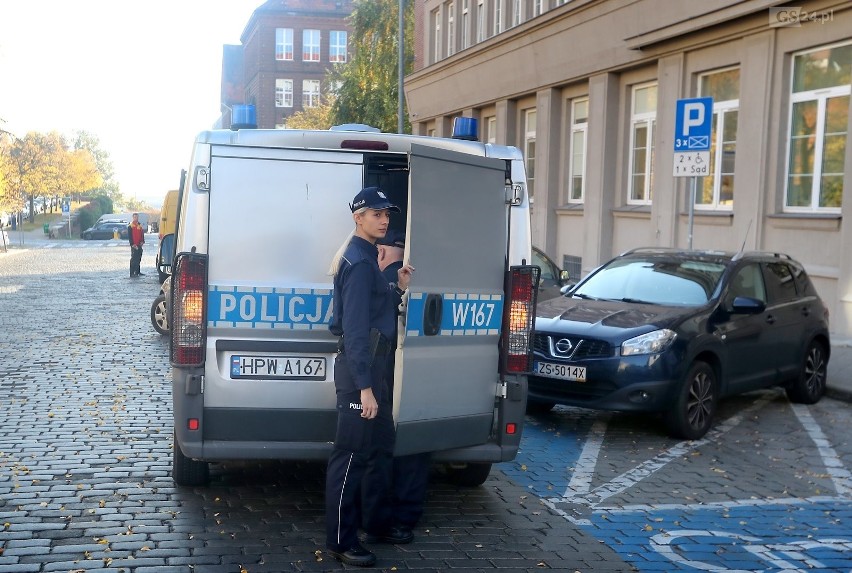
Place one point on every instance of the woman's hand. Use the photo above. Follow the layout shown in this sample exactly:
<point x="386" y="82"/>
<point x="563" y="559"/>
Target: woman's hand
<point x="369" y="406"/>
<point x="404" y="276"/>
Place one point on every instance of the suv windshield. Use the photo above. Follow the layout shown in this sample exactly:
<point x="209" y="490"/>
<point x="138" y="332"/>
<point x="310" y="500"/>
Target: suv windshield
<point x="654" y="281"/>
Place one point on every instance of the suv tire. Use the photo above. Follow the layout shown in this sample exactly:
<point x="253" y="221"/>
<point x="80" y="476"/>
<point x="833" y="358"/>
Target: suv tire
<point x="692" y="413"/>
<point x="809" y="386"/>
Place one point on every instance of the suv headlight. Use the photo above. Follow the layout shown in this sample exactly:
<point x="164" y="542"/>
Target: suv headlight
<point x="650" y="343"/>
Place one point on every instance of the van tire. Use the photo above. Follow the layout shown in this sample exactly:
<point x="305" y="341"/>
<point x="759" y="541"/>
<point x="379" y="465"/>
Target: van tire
<point x="471" y="475"/>
<point x="159" y="317"/>
<point x="186" y="471"/>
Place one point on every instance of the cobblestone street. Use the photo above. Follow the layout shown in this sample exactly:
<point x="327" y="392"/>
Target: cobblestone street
<point x="85" y="457"/>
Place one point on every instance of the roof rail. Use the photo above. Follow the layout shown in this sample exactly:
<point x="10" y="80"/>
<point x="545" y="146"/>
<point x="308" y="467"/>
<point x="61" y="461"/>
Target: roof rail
<point x="743" y="254"/>
<point x="651" y="250"/>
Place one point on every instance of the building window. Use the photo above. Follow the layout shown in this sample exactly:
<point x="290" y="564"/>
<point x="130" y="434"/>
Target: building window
<point x="538" y="7"/>
<point x="498" y="16"/>
<point x="481" y="15"/>
<point x="819" y="116"/>
<point x="283" y="43"/>
<point x="517" y="12"/>
<point x="310" y="45"/>
<point x="465" y="24"/>
<point x="577" y="163"/>
<point x="491" y="130"/>
<point x="643" y="119"/>
<point x="724" y="87"/>
<point x="283" y="93"/>
<point x="436" y="35"/>
<point x="529" y="150"/>
<point x="310" y="93"/>
<point x="451" y="28"/>
<point x="337" y="46"/>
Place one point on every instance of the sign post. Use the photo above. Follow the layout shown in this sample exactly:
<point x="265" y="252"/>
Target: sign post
<point x="66" y="210"/>
<point x="693" y="127"/>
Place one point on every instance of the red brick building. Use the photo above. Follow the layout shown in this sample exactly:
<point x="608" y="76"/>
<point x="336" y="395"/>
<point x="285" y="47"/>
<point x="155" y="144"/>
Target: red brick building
<point x="286" y="50"/>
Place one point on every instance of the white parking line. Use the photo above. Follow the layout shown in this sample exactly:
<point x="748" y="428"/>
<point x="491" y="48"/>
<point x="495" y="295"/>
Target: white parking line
<point x="841" y="477"/>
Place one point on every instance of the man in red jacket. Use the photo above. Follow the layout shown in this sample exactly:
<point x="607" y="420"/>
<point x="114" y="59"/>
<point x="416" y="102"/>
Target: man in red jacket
<point x="136" y="236"/>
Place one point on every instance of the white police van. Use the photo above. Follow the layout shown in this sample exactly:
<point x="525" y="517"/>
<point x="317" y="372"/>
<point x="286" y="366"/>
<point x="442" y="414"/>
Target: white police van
<point x="262" y="213"/>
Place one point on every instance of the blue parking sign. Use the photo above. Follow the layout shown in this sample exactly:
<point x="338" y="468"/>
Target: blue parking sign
<point x="693" y="124"/>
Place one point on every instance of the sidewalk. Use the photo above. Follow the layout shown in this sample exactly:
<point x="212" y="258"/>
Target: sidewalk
<point x="840" y="370"/>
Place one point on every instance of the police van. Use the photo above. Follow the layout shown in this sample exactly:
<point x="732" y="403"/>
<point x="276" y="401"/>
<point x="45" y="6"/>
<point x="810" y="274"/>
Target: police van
<point x="262" y="213"/>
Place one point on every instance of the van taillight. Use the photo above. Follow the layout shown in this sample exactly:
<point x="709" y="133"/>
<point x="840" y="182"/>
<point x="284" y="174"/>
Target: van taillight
<point x="519" y="317"/>
<point x="188" y="310"/>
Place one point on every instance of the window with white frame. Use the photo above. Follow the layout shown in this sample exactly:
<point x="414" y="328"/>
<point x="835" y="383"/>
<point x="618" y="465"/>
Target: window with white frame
<point x="529" y="150"/>
<point x="724" y="87"/>
<point x="819" y="119"/>
<point x="498" y="16"/>
<point x="310" y="45"/>
<point x="491" y="130"/>
<point x="283" y="43"/>
<point x="538" y="7"/>
<point x="310" y="93"/>
<point x="436" y="35"/>
<point x="465" y="24"/>
<point x="517" y="12"/>
<point x="337" y="46"/>
<point x="451" y="28"/>
<point x="480" y="20"/>
<point x="577" y="162"/>
<point x="643" y="119"/>
<point x="283" y="93"/>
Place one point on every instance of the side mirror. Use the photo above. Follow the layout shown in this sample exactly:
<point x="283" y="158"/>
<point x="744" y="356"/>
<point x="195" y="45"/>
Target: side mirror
<point x="565" y="289"/>
<point x="747" y="305"/>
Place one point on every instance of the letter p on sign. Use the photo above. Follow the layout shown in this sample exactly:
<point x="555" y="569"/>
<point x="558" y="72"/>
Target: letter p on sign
<point x="693" y="117"/>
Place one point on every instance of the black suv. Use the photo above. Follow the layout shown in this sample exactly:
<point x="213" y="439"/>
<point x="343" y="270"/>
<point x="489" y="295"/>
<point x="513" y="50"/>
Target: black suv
<point x="673" y="331"/>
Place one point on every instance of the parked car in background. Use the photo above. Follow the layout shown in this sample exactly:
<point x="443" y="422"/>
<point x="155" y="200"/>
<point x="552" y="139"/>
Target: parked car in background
<point x="671" y="331"/>
<point x="553" y="278"/>
<point x="106" y="230"/>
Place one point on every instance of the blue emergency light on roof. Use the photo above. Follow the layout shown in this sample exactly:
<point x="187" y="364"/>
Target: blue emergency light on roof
<point x="465" y="128"/>
<point x="243" y="117"/>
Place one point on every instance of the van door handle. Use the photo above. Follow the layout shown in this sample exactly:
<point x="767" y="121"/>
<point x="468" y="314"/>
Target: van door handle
<point x="432" y="311"/>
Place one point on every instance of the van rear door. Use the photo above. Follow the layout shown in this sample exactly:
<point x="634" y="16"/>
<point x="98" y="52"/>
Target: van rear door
<point x="447" y="357"/>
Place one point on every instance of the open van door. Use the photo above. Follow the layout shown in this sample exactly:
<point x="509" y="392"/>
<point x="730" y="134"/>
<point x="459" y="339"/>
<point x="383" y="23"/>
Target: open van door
<point x="447" y="359"/>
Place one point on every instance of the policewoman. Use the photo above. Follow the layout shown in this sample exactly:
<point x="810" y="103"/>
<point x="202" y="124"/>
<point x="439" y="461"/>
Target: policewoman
<point x="364" y="317"/>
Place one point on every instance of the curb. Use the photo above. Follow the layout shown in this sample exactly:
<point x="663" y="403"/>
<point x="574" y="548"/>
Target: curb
<point x="839" y="394"/>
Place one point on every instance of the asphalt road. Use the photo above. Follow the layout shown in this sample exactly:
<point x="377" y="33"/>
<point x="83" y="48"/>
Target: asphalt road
<point x="85" y="454"/>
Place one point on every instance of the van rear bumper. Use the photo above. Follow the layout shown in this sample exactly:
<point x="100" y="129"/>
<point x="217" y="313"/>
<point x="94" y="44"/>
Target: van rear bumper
<point x="216" y="450"/>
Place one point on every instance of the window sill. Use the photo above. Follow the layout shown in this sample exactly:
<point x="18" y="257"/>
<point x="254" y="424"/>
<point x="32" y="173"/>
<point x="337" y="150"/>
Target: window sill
<point x="806" y="221"/>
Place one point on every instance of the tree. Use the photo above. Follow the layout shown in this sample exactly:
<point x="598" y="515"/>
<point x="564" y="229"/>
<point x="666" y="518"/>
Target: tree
<point x="369" y="81"/>
<point x="33" y="165"/>
<point x="108" y="185"/>
<point x="317" y="117"/>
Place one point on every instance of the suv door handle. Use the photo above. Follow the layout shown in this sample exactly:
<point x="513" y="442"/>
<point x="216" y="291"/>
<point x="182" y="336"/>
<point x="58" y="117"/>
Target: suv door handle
<point x="432" y="312"/>
<point x="770" y="319"/>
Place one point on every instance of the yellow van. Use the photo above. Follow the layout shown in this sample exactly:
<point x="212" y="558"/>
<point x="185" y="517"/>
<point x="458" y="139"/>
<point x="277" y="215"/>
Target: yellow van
<point x="168" y="214"/>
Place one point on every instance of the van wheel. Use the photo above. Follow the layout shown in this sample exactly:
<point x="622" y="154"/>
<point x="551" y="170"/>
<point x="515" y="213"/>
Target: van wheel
<point x="471" y="475"/>
<point x="692" y="413"/>
<point x="159" y="318"/>
<point x="186" y="471"/>
<point x="809" y="386"/>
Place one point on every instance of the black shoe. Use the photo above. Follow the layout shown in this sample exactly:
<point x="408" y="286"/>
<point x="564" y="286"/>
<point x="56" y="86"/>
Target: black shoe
<point x="140" y="274"/>
<point x="398" y="535"/>
<point x="357" y="556"/>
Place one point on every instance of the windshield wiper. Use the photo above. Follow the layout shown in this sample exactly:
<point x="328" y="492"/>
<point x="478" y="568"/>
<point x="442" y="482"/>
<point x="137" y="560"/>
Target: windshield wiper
<point x="583" y="296"/>
<point x="636" y="300"/>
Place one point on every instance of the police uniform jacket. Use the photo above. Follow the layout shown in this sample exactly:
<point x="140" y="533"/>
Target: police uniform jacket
<point x="363" y="299"/>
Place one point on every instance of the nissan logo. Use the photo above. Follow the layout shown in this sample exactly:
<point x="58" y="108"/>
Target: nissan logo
<point x="563" y="346"/>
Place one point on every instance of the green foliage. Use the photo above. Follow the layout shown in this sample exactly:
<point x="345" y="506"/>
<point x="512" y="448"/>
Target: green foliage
<point x="369" y="80"/>
<point x="104" y="203"/>
<point x="88" y="215"/>
<point x="317" y="117"/>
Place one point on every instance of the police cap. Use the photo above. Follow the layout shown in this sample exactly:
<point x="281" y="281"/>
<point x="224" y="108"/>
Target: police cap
<point x="372" y="198"/>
